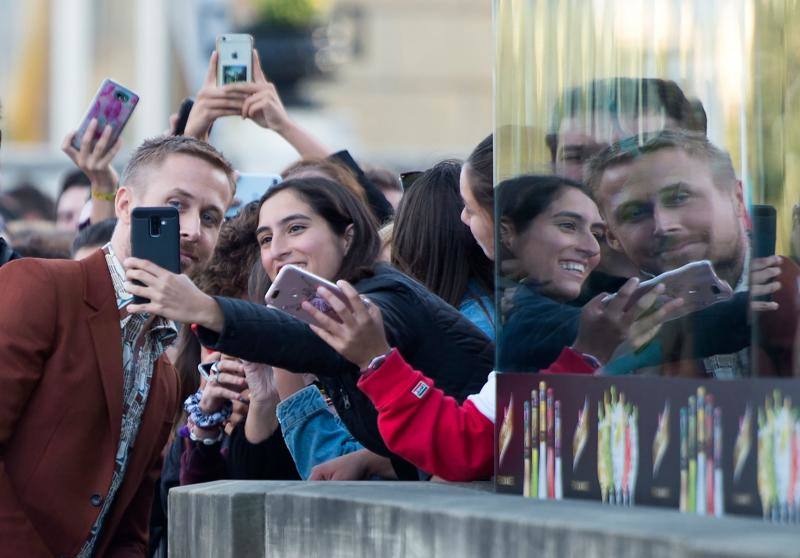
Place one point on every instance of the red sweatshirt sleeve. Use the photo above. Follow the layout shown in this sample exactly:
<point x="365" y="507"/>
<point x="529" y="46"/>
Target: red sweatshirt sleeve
<point x="424" y="426"/>
<point x="570" y="361"/>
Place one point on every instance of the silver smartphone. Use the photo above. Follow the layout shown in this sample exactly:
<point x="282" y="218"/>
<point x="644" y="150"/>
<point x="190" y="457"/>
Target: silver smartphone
<point x="696" y="283"/>
<point x="235" y="58"/>
<point x="293" y="285"/>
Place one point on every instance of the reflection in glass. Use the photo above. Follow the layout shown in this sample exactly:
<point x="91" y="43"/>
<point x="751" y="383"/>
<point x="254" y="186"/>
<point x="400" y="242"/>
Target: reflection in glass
<point x="665" y="123"/>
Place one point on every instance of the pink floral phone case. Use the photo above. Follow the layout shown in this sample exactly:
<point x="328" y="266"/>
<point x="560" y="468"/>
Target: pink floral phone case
<point x="112" y="105"/>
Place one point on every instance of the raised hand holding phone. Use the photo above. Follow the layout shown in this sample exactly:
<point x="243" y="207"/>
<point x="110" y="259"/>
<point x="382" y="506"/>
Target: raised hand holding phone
<point x="360" y="336"/>
<point x="112" y="106"/>
<point x="212" y="102"/>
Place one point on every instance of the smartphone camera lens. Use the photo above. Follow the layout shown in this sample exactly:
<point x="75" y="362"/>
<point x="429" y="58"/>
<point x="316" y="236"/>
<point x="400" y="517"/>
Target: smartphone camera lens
<point x="715" y="289"/>
<point x="276" y="293"/>
<point x="155" y="226"/>
<point x="235" y="55"/>
<point x="120" y="96"/>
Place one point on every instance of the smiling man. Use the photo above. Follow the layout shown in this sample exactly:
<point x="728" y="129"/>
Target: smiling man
<point x="673" y="199"/>
<point x="88" y="397"/>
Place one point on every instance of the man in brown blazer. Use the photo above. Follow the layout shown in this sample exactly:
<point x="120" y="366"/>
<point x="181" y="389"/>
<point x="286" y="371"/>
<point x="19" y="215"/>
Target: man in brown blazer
<point x="88" y="398"/>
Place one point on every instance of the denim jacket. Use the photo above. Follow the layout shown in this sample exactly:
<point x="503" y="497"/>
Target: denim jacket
<point x="311" y="431"/>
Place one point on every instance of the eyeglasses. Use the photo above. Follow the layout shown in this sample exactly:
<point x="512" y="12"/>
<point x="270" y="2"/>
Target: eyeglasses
<point x="408" y="178"/>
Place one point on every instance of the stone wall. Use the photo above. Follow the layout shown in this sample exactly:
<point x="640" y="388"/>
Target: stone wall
<point x="429" y="520"/>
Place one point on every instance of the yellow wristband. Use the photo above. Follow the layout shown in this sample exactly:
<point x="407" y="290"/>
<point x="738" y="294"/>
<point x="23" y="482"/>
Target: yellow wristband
<point x="105" y="196"/>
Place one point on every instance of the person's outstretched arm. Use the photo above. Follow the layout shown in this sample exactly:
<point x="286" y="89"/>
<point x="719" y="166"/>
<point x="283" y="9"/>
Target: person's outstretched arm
<point x="416" y="419"/>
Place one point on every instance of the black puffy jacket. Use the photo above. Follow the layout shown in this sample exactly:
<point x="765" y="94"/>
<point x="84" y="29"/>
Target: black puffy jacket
<point x="430" y="334"/>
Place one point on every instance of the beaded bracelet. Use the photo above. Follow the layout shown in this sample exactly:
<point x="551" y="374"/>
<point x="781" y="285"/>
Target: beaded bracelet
<point x="201" y="419"/>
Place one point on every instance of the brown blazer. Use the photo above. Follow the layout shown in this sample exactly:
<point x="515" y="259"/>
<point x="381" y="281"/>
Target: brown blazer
<point x="61" y="413"/>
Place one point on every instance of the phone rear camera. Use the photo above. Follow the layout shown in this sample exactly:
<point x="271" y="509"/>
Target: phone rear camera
<point x="235" y="55"/>
<point x="715" y="289"/>
<point x="276" y="293"/>
<point x="120" y="96"/>
<point x="155" y="226"/>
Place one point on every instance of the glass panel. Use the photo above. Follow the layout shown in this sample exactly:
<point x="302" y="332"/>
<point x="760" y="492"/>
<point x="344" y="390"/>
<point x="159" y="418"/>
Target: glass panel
<point x="669" y="126"/>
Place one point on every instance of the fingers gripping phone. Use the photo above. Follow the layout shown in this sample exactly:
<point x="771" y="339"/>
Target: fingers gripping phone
<point x="113" y="105"/>
<point x="293" y="285"/>
<point x="235" y="58"/>
<point x="696" y="283"/>
<point x="155" y="236"/>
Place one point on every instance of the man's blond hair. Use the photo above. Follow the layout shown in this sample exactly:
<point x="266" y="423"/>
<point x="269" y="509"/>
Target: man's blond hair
<point x="154" y="151"/>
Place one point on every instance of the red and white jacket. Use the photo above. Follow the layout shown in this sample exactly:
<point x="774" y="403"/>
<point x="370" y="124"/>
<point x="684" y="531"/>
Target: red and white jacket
<point x="424" y="426"/>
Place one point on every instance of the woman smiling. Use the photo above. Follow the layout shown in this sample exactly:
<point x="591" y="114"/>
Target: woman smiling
<point x="317" y="224"/>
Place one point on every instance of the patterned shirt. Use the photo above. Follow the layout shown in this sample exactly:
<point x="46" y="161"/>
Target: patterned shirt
<point x="144" y="339"/>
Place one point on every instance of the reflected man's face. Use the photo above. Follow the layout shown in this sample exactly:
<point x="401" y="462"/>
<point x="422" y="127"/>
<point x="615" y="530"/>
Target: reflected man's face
<point x="664" y="210"/>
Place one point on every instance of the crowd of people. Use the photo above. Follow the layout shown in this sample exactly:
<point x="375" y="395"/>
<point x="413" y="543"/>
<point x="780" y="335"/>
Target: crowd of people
<point x="104" y="407"/>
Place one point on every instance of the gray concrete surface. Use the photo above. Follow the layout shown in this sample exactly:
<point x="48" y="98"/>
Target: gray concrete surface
<point x="430" y="520"/>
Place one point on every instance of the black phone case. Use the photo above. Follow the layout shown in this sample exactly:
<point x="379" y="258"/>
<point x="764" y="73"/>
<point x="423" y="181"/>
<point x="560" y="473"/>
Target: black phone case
<point x="161" y="246"/>
<point x="764" y="219"/>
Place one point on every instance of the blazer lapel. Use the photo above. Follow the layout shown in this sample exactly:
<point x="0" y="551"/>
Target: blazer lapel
<point x="106" y="335"/>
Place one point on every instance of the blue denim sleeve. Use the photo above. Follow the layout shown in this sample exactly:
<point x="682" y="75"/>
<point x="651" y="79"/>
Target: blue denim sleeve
<point x="312" y="433"/>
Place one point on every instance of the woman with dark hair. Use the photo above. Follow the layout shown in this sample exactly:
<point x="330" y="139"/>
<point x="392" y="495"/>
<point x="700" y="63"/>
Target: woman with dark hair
<point x="432" y="245"/>
<point x="552" y="229"/>
<point x="319" y="225"/>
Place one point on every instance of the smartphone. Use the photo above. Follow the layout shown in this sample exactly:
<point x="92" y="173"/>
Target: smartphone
<point x="155" y="236"/>
<point x="183" y="116"/>
<point x="113" y="105"/>
<point x="249" y="188"/>
<point x="293" y="285"/>
<point x="696" y="283"/>
<point x="764" y="219"/>
<point x="235" y="58"/>
<point x="206" y="369"/>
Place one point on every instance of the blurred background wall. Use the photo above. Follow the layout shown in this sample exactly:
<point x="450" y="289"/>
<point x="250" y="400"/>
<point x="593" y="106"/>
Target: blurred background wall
<point x="401" y="83"/>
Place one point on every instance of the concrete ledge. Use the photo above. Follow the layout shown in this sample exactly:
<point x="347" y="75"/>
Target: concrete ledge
<point x="368" y="519"/>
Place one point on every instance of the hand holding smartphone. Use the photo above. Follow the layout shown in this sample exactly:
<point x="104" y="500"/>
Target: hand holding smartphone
<point x="112" y="105"/>
<point x="293" y="285"/>
<point x="235" y="58"/>
<point x="155" y="236"/>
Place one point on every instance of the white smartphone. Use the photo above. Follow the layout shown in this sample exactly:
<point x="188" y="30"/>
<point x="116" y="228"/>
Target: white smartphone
<point x="696" y="283"/>
<point x="293" y="285"/>
<point x="235" y="58"/>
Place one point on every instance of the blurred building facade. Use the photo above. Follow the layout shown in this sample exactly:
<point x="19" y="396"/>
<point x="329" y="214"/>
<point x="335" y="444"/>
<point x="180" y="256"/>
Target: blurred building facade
<point x="412" y="85"/>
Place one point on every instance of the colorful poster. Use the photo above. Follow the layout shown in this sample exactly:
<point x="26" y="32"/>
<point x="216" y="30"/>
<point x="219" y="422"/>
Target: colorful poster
<point x="704" y="447"/>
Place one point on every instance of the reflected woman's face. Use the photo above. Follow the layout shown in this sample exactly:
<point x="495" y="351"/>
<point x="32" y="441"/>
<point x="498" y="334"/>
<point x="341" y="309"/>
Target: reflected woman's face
<point x="560" y="246"/>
